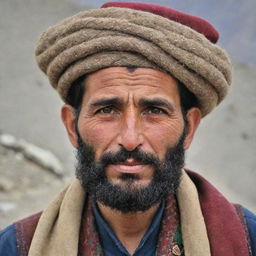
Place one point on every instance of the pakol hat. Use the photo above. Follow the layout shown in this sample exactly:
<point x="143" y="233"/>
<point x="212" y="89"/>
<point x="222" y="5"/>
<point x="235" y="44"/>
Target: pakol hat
<point x="142" y="35"/>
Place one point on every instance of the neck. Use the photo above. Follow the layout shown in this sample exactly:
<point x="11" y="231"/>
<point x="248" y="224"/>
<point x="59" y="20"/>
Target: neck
<point x="128" y="227"/>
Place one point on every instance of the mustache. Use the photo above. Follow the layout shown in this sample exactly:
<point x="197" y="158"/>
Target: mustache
<point x="122" y="155"/>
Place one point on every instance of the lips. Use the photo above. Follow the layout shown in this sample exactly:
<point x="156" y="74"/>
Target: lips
<point x="129" y="166"/>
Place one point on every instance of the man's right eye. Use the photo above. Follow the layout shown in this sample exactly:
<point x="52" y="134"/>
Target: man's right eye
<point x="106" y="110"/>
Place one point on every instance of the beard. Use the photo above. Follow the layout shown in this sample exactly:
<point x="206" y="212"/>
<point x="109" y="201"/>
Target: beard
<point x="126" y="197"/>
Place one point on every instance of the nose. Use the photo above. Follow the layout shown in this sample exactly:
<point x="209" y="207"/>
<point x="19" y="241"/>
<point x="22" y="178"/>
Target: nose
<point x="130" y="136"/>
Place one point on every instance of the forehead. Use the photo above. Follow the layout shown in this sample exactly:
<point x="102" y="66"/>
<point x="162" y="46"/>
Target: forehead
<point x="140" y="81"/>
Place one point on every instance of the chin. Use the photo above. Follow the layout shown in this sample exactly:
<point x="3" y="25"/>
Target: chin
<point x="130" y="181"/>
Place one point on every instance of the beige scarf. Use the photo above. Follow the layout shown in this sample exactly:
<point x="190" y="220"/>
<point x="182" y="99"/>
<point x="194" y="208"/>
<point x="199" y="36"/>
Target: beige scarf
<point x="53" y="237"/>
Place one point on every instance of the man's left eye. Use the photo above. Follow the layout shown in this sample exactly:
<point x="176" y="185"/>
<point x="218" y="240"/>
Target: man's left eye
<point x="155" y="111"/>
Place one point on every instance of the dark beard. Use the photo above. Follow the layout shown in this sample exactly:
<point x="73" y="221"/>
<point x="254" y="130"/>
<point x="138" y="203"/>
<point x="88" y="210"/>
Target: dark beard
<point x="126" y="198"/>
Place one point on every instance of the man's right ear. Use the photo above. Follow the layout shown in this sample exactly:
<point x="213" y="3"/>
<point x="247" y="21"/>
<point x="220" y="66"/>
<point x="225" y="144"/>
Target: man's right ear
<point x="68" y="118"/>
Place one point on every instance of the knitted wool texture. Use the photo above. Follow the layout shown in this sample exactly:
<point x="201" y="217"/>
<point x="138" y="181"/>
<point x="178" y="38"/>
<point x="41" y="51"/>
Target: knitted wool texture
<point x="116" y="37"/>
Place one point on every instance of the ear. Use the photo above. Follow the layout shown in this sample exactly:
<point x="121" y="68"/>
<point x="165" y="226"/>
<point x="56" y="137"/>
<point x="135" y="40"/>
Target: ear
<point x="193" y="120"/>
<point x="68" y="119"/>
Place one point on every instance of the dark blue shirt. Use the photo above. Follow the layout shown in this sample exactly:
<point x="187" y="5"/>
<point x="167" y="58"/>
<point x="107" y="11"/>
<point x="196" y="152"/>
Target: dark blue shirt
<point x="250" y="219"/>
<point x="8" y="242"/>
<point x="113" y="247"/>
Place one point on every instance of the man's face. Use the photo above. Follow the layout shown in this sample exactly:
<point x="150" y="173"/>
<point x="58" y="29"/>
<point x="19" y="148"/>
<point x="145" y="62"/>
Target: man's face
<point x="139" y="109"/>
<point x="130" y="111"/>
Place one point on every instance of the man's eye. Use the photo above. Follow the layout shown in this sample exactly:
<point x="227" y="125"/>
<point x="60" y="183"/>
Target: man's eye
<point x="106" y="110"/>
<point x="155" y="111"/>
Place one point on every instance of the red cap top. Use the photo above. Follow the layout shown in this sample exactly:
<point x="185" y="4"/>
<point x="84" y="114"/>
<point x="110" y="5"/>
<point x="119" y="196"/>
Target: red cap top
<point x="200" y="25"/>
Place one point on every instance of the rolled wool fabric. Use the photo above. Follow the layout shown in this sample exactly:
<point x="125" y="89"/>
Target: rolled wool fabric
<point x="118" y="37"/>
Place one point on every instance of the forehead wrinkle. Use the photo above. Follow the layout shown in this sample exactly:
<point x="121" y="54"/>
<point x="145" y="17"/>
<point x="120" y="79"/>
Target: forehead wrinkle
<point x="130" y="79"/>
<point x="118" y="82"/>
<point x="131" y="95"/>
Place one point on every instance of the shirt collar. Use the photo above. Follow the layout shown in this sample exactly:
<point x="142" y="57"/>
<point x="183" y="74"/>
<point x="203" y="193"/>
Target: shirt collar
<point x="111" y="244"/>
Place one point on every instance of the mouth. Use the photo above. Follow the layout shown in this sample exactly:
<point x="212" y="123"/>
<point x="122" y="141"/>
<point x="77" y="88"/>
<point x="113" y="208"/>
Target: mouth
<point x="129" y="166"/>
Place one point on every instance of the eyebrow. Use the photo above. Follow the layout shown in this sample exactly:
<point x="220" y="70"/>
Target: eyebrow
<point x="105" y="102"/>
<point x="156" y="102"/>
<point x="142" y="102"/>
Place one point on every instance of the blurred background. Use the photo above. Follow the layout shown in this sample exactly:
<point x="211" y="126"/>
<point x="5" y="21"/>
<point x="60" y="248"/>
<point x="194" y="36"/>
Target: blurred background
<point x="223" y="149"/>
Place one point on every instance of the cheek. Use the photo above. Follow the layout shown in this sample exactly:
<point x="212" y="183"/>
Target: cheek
<point x="164" y="135"/>
<point x="97" y="134"/>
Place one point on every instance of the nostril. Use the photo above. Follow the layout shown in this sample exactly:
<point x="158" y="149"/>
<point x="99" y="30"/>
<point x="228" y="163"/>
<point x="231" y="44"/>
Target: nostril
<point x="130" y="141"/>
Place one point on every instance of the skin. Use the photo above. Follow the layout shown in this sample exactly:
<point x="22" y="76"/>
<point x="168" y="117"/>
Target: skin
<point x="130" y="109"/>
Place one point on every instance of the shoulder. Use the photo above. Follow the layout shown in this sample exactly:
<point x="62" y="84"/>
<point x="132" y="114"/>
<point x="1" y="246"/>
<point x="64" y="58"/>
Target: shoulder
<point x="25" y="229"/>
<point x="8" y="243"/>
<point x="250" y="219"/>
<point x="16" y="238"/>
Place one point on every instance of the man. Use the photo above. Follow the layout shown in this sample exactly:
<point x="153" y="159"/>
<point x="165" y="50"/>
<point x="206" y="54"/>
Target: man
<point x="136" y="79"/>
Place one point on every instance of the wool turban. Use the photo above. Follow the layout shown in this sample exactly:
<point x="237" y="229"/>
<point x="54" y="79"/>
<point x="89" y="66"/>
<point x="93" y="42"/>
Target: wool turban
<point x="141" y="35"/>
